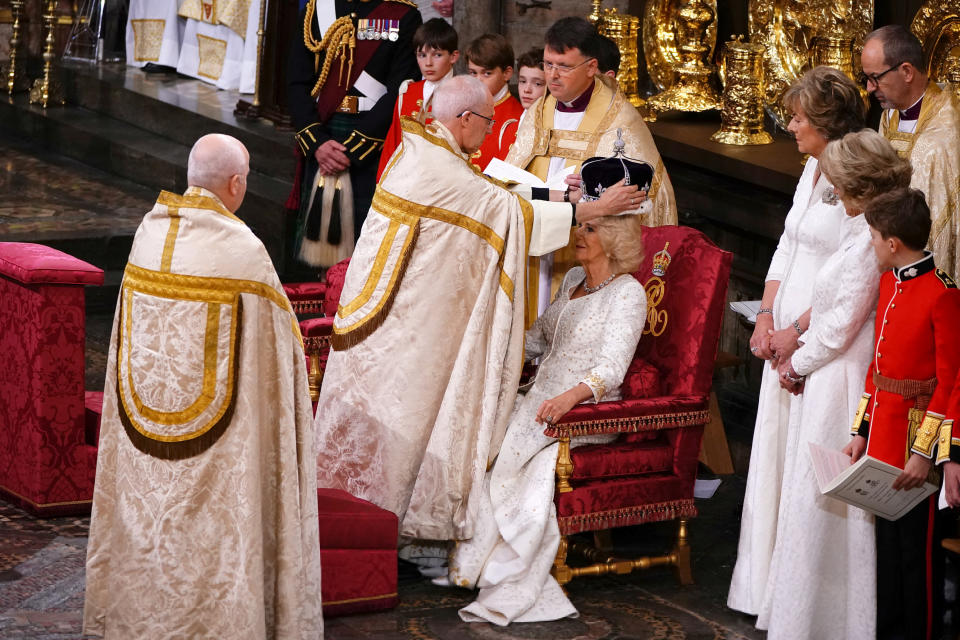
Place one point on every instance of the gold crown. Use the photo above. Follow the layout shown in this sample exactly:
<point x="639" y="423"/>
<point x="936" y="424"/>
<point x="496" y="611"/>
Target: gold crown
<point x="661" y="260"/>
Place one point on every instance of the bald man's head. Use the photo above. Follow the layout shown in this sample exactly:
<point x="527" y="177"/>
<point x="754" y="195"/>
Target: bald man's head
<point x="220" y="163"/>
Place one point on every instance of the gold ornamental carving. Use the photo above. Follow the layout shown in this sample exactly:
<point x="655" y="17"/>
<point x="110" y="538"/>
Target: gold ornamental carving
<point x="623" y="30"/>
<point x="792" y="32"/>
<point x="661" y="46"/>
<point x="937" y="26"/>
<point x="742" y="114"/>
<point x="693" y="88"/>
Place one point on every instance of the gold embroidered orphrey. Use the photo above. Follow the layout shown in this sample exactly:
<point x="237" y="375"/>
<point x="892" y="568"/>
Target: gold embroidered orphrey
<point x="173" y="406"/>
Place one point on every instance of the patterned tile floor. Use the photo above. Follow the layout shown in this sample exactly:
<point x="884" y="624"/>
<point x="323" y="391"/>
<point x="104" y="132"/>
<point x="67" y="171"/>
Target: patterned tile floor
<point x="45" y="197"/>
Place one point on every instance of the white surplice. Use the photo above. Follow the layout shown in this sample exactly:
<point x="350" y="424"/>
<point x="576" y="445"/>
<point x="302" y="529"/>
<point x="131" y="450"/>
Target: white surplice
<point x="822" y="581"/>
<point x="592" y="340"/>
<point x="811" y="235"/>
<point x="154" y="33"/>
<point x="223" y="54"/>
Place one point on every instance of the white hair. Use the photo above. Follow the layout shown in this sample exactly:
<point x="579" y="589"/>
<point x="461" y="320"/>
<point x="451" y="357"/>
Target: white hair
<point x="455" y="95"/>
<point x="214" y="159"/>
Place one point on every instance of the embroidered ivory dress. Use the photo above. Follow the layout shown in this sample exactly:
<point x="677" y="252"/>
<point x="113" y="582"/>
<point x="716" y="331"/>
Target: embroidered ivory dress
<point x="592" y="340"/>
<point x="822" y="580"/>
<point x="811" y="235"/>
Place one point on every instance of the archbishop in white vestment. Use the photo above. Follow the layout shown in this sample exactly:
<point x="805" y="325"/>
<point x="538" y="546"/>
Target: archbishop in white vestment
<point x="428" y="338"/>
<point x="204" y="519"/>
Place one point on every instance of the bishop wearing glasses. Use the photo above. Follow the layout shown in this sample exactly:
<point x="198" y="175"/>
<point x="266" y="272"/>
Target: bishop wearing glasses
<point x="922" y="122"/>
<point x="577" y="120"/>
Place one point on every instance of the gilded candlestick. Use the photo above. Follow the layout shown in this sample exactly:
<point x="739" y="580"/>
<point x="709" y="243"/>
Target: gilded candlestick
<point x="14" y="78"/>
<point x="47" y="89"/>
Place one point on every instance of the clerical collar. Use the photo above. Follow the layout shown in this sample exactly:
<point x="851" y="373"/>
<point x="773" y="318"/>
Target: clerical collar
<point x="914" y="111"/>
<point x="916" y="269"/>
<point x="501" y="95"/>
<point x="579" y="104"/>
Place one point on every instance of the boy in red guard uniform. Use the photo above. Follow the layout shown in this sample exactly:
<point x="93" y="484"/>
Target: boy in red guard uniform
<point x="908" y="386"/>
<point x="436" y="45"/>
<point x="490" y="60"/>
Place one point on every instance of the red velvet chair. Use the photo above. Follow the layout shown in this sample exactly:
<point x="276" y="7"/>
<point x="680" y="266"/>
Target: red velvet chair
<point x="313" y="298"/>
<point x="648" y="473"/>
<point x="48" y="446"/>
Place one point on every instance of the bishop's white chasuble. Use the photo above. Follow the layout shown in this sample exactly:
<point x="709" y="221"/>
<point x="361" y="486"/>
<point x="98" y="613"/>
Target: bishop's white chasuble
<point x="428" y="338"/>
<point x="204" y="519"/>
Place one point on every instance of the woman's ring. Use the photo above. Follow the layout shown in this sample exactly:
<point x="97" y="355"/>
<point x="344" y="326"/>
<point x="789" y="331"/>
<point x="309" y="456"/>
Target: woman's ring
<point x="754" y="349"/>
<point x="549" y="418"/>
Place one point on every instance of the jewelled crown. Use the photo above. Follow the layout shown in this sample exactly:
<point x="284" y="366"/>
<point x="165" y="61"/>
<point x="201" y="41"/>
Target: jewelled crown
<point x="661" y="260"/>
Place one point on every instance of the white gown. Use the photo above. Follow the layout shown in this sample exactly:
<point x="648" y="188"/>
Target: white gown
<point x="591" y="340"/>
<point x="811" y="235"/>
<point x="822" y="582"/>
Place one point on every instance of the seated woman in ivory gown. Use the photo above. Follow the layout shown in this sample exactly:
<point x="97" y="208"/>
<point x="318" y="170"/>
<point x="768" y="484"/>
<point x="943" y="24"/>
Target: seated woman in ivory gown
<point x="586" y="340"/>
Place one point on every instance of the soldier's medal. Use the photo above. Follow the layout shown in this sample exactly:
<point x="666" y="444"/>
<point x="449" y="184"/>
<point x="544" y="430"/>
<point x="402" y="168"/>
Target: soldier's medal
<point x="394" y="30"/>
<point x="370" y="30"/>
<point x="384" y="33"/>
<point x="361" y="29"/>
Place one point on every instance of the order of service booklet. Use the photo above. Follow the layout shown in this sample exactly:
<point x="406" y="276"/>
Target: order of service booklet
<point x="865" y="483"/>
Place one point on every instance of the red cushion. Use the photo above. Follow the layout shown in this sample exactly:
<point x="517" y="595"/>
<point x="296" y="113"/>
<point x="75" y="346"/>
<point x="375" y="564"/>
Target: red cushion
<point x="358" y="580"/>
<point x="347" y="522"/>
<point x="642" y="380"/>
<point x="335" y="277"/>
<point x="38" y="264"/>
<point x="314" y="327"/>
<point x="305" y="290"/>
<point x="622" y="459"/>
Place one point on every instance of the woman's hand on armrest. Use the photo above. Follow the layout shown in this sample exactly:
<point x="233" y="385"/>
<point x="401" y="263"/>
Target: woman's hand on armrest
<point x="555" y="408"/>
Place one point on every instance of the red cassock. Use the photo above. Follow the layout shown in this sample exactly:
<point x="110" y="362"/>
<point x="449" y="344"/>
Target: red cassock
<point x="409" y="103"/>
<point x="506" y="112"/>
<point x="915" y="363"/>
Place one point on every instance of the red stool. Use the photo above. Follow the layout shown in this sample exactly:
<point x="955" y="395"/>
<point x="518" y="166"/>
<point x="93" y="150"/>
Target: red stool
<point x="47" y="461"/>
<point x="358" y="554"/>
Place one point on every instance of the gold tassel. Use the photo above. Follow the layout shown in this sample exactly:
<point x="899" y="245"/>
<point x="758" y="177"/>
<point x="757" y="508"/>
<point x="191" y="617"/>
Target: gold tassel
<point x="343" y="341"/>
<point x="340" y="36"/>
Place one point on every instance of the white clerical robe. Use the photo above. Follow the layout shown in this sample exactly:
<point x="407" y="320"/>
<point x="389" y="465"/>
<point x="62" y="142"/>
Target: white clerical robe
<point x="932" y="144"/>
<point x="154" y="33"/>
<point x="204" y="519"/>
<point x="428" y="338"/>
<point x="220" y="42"/>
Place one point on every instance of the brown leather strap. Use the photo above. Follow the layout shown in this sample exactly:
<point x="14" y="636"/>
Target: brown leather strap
<point x="922" y="390"/>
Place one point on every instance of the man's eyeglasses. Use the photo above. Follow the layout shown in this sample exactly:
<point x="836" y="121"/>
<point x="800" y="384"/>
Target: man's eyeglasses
<point x="561" y="69"/>
<point x="865" y="78"/>
<point x="490" y="121"/>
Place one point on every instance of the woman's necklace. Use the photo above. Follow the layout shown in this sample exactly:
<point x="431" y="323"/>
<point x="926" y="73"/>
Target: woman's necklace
<point x="590" y="289"/>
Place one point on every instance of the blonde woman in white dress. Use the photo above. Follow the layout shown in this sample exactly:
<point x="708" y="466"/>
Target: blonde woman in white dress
<point x="825" y="105"/>
<point x="586" y="339"/>
<point x="822" y="581"/>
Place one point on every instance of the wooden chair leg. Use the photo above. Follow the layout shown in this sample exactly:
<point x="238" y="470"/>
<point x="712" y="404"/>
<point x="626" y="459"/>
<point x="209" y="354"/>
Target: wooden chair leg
<point x="314" y="375"/>
<point x="682" y="552"/>
<point x="561" y="571"/>
<point x="714" y="450"/>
